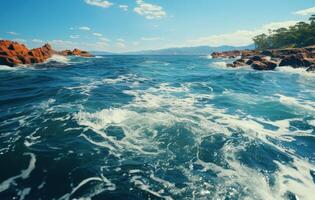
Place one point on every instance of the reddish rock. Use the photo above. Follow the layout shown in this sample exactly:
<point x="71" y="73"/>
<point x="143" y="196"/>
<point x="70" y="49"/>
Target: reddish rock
<point x="249" y="53"/>
<point x="75" y="52"/>
<point x="14" y="53"/>
<point x="264" y="65"/>
<point x="238" y="63"/>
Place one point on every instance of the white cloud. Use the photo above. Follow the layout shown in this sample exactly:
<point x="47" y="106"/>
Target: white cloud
<point x="74" y="36"/>
<point x="99" y="3"/>
<point x="124" y="7"/>
<point x="240" y="37"/>
<point x="100" y="45"/>
<point x="151" y="38"/>
<point x="98" y="34"/>
<point x="135" y="43"/>
<point x="84" y="28"/>
<point x="120" y="45"/>
<point x="104" y="39"/>
<point x="62" y="44"/>
<point x="120" y="40"/>
<point x="88" y="46"/>
<point x="149" y="11"/>
<point x="37" y="41"/>
<point x="305" y="12"/>
<point x="12" y="33"/>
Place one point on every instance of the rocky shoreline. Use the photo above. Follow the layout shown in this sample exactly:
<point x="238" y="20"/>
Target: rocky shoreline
<point x="14" y="53"/>
<point x="271" y="59"/>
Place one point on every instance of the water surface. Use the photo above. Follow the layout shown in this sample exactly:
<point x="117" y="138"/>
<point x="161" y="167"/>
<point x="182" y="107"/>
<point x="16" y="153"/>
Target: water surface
<point x="155" y="127"/>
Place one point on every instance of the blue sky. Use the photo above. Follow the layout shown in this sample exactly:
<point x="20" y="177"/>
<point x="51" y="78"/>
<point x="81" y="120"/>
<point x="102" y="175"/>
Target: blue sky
<point x="128" y="25"/>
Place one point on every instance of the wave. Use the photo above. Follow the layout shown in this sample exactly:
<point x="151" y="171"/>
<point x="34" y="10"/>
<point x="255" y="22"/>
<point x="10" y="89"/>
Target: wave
<point x="7" y="68"/>
<point x="59" y="59"/>
<point x="103" y="180"/>
<point x="299" y="71"/>
<point x="300" y="105"/>
<point x="220" y="64"/>
<point x="202" y="122"/>
<point x="23" y="175"/>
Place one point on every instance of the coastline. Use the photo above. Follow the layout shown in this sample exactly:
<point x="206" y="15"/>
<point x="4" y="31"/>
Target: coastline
<point x="271" y="59"/>
<point x="14" y="53"/>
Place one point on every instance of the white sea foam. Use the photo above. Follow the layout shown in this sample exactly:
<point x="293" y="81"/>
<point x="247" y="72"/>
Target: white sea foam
<point x="140" y="119"/>
<point x="82" y="183"/>
<point x="209" y="57"/>
<point x="220" y="64"/>
<point x="136" y="180"/>
<point x="300" y="105"/>
<point x="23" y="175"/>
<point x="299" y="71"/>
<point x="7" y="68"/>
<point x="59" y="58"/>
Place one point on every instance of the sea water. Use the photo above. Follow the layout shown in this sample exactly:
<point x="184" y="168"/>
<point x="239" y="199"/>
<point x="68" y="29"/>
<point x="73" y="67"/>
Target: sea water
<point x="155" y="127"/>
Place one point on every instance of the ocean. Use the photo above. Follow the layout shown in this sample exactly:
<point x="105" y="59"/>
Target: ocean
<point x="155" y="127"/>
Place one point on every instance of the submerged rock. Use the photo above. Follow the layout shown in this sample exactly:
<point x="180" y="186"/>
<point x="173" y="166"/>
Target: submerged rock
<point x="311" y="69"/>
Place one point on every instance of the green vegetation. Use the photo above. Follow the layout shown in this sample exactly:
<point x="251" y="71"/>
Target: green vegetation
<point x="300" y="35"/>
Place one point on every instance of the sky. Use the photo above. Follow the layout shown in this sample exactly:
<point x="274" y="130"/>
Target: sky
<point x="133" y="25"/>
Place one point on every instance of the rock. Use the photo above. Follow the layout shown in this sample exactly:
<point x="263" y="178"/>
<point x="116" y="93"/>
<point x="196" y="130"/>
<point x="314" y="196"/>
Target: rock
<point x="264" y="65"/>
<point x="238" y="63"/>
<point x="249" y="53"/>
<point x="256" y="58"/>
<point x="269" y="59"/>
<point x="75" y="52"/>
<point x="297" y="60"/>
<point x="311" y="69"/>
<point x="267" y="53"/>
<point x="13" y="53"/>
<point x="226" y="54"/>
<point x="249" y="62"/>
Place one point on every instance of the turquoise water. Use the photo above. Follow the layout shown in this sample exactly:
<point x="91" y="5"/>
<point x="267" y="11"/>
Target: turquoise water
<point x="155" y="127"/>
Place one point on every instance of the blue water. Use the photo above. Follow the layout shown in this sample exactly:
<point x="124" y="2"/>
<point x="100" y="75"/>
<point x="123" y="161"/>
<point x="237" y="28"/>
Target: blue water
<point x="156" y="127"/>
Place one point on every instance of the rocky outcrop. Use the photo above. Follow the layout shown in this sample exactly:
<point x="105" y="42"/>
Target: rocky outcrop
<point x="264" y="65"/>
<point x="226" y="54"/>
<point x="14" y="53"/>
<point x="270" y="59"/>
<point x="297" y="60"/>
<point x="75" y="52"/>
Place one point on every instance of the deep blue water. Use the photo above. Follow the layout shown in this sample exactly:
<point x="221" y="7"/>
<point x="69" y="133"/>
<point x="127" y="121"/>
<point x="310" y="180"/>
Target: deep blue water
<point x="156" y="127"/>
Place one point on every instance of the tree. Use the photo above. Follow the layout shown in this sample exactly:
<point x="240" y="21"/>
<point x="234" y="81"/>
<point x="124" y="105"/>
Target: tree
<point x="300" y="35"/>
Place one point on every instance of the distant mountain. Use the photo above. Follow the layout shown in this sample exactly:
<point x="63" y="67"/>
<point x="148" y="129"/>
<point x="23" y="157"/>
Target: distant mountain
<point x="200" y="50"/>
<point x="104" y="53"/>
